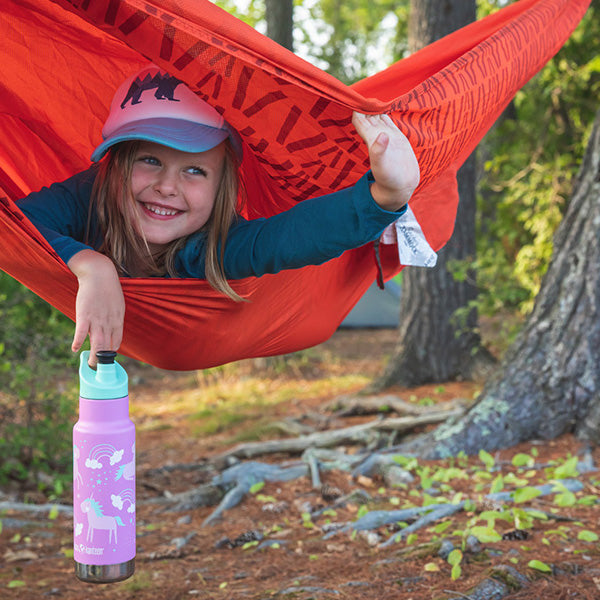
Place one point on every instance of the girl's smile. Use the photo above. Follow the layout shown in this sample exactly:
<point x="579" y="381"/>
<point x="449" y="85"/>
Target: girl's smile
<point x="159" y="212"/>
<point x="174" y="191"/>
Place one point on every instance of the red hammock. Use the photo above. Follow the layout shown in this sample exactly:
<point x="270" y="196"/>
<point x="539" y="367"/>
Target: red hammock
<point x="63" y="60"/>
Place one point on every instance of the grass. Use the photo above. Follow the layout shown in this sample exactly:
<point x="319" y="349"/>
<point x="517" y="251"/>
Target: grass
<point x="229" y="400"/>
<point x="222" y="399"/>
<point x="141" y="580"/>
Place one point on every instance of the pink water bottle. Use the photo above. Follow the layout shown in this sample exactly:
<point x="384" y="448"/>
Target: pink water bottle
<point x="103" y="474"/>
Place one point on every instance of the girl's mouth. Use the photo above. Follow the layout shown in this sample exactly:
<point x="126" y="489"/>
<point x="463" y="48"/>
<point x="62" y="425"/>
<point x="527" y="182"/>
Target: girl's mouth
<point x="159" y="212"/>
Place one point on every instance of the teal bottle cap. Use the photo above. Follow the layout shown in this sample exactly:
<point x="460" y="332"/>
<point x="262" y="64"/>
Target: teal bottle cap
<point x="107" y="382"/>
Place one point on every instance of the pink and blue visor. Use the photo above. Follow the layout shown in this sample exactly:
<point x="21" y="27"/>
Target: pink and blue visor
<point x="154" y="106"/>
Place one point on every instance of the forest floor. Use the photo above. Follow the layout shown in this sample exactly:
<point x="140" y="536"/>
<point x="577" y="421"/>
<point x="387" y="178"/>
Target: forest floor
<point x="190" y="418"/>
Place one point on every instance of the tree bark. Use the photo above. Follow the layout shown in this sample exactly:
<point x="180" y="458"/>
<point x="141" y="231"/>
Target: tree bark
<point x="432" y="344"/>
<point x="280" y="22"/>
<point x="549" y="381"/>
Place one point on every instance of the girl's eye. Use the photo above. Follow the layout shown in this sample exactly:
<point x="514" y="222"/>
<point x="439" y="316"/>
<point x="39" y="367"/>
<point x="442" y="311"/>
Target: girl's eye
<point x="196" y="171"/>
<point x="149" y="160"/>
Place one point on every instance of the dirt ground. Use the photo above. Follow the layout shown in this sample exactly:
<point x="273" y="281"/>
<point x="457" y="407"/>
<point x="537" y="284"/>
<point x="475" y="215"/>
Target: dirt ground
<point x="179" y="558"/>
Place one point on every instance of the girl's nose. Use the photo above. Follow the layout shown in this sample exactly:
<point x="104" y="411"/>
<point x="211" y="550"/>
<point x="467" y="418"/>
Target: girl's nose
<point x="166" y="183"/>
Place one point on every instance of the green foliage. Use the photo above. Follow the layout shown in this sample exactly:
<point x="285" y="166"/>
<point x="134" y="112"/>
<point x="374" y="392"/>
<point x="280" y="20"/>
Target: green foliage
<point x="530" y="159"/>
<point x="487" y="459"/>
<point x="454" y="559"/>
<point x="587" y="536"/>
<point x="538" y="565"/>
<point x="564" y="497"/>
<point x="251" y="12"/>
<point x="349" y="39"/>
<point x="254" y="489"/>
<point x="525" y="494"/>
<point x="564" y="469"/>
<point x="355" y="38"/>
<point x="485" y="534"/>
<point x="37" y="406"/>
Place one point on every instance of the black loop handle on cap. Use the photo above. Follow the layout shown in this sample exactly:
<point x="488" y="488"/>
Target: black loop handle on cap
<point x="106" y="357"/>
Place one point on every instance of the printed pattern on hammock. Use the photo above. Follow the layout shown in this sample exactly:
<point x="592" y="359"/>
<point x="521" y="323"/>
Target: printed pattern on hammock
<point x="310" y="146"/>
<point x="250" y="88"/>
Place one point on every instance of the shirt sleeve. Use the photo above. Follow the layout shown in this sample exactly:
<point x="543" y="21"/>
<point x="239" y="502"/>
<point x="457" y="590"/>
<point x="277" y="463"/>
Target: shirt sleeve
<point x="60" y="212"/>
<point x="310" y="233"/>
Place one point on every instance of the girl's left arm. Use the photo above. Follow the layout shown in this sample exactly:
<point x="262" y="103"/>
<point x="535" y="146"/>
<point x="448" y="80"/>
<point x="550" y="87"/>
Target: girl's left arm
<point x="319" y="229"/>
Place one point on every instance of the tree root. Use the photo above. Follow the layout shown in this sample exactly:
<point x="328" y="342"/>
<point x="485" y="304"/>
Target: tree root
<point x="38" y="509"/>
<point x="363" y="434"/>
<point x="434" y="512"/>
<point x="349" y="406"/>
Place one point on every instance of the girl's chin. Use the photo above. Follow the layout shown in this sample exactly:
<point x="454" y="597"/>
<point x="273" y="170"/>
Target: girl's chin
<point x="157" y="240"/>
<point x="156" y="244"/>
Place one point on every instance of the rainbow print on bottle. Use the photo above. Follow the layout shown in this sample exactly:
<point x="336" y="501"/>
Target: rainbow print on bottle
<point x="103" y="474"/>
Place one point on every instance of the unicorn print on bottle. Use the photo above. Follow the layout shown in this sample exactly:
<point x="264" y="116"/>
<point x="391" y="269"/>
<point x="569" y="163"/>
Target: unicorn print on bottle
<point x="77" y="478"/>
<point x="98" y="520"/>
<point x="127" y="471"/>
<point x="106" y="501"/>
<point x="104" y="474"/>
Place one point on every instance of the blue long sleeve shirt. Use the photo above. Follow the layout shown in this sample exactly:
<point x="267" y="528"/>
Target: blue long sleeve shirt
<point x="310" y="233"/>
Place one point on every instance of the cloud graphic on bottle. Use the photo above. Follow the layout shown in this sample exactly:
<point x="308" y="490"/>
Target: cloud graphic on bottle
<point x="78" y="528"/>
<point x="117" y="501"/>
<point x="131" y="508"/>
<point x="100" y="452"/>
<point x="116" y="457"/>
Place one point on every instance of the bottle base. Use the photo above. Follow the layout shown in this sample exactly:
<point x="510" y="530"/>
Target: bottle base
<point x="104" y="573"/>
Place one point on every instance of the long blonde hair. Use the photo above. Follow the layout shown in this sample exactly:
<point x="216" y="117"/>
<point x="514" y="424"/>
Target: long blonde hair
<point x="113" y="203"/>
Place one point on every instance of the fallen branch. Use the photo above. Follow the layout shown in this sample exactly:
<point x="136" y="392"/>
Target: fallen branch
<point x="441" y="512"/>
<point x="376" y="519"/>
<point x="349" y="406"/>
<point x="240" y="478"/>
<point x="501" y="581"/>
<point x="203" y="495"/>
<point x="22" y="507"/>
<point x="363" y="434"/>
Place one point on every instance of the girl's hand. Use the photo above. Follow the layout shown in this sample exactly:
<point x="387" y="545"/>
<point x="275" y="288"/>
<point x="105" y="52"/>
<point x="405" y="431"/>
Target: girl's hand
<point x="100" y="306"/>
<point x="393" y="162"/>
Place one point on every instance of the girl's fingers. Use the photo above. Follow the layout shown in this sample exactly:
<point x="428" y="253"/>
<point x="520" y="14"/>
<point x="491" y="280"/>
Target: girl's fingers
<point x="81" y="332"/>
<point x="381" y="143"/>
<point x="371" y="127"/>
<point x="103" y="339"/>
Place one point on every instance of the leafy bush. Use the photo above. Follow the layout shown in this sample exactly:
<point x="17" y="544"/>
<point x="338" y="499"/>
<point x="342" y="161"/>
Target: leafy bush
<point x="37" y="390"/>
<point x="530" y="159"/>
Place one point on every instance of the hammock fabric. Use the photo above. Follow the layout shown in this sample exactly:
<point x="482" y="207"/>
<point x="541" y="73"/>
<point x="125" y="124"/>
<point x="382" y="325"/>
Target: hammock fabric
<point x="63" y="60"/>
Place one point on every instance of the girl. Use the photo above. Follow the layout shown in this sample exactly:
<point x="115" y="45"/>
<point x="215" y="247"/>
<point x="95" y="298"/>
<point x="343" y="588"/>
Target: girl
<point x="161" y="200"/>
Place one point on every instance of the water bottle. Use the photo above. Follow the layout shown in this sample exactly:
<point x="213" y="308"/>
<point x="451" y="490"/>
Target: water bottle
<point x="103" y="474"/>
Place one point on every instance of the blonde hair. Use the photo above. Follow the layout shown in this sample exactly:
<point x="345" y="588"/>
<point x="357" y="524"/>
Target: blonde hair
<point x="114" y="205"/>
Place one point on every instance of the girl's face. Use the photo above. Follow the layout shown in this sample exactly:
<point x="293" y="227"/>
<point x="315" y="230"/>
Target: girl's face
<point x="174" y="191"/>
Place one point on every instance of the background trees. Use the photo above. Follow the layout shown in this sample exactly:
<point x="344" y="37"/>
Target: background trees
<point x="431" y="297"/>
<point x="549" y="383"/>
<point x="529" y="161"/>
<point x="279" y="15"/>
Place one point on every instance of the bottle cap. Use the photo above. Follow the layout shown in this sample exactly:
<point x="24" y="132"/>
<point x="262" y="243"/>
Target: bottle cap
<point x="106" y="357"/>
<point x="107" y="382"/>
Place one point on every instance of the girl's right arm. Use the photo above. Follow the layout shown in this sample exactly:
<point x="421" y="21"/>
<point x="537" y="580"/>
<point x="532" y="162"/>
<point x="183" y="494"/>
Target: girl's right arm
<point x="60" y="212"/>
<point x="100" y="306"/>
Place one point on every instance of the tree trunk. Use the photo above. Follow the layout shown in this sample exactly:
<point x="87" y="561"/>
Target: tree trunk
<point x="280" y="22"/>
<point x="430" y="20"/>
<point x="549" y="381"/>
<point x="433" y="345"/>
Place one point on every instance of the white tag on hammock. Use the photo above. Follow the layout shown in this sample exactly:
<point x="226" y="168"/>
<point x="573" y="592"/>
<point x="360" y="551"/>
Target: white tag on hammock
<point x="413" y="249"/>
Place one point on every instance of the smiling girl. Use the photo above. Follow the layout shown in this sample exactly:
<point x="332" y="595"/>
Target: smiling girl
<point x="161" y="200"/>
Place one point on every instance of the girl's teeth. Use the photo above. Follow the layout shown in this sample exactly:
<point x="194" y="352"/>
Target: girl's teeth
<point x="163" y="212"/>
